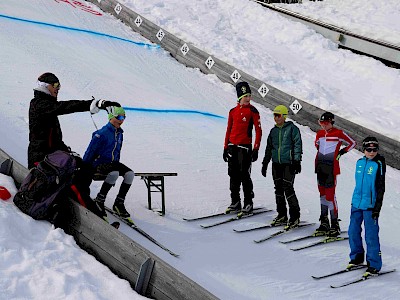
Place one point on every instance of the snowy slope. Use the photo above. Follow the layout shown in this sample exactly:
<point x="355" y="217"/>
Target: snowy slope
<point x="290" y="56"/>
<point x="230" y="265"/>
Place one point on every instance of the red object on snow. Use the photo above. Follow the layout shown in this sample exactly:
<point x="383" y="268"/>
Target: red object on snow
<point x="4" y="193"/>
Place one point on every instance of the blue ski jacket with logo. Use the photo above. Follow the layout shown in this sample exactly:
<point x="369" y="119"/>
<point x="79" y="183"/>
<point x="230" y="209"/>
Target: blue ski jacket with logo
<point x="370" y="183"/>
<point x="105" y="146"/>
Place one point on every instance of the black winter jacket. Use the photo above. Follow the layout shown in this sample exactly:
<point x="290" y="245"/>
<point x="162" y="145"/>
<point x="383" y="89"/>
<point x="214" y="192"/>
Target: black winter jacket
<point x="45" y="135"/>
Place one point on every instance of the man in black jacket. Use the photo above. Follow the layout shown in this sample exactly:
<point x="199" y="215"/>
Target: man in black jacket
<point x="45" y="135"/>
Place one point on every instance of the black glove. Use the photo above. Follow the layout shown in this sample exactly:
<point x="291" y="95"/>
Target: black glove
<point x="296" y="167"/>
<point x="226" y="155"/>
<point x="104" y="104"/>
<point x="254" y="155"/>
<point x="341" y="152"/>
<point x="264" y="170"/>
<point x="375" y="214"/>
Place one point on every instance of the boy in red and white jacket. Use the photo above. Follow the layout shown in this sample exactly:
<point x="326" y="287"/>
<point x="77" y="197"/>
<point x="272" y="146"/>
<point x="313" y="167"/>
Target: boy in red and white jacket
<point x="328" y="143"/>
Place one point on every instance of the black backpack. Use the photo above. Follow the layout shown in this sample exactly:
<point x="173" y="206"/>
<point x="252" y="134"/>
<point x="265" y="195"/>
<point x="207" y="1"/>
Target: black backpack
<point x="39" y="190"/>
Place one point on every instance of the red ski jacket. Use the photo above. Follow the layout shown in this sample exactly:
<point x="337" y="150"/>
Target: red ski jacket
<point x="239" y="131"/>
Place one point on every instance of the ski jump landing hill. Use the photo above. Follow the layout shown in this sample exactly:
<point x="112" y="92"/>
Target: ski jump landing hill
<point x="148" y="274"/>
<point x="267" y="95"/>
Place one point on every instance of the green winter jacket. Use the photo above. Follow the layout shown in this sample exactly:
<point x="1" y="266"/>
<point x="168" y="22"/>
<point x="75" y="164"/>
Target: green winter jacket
<point x="284" y="144"/>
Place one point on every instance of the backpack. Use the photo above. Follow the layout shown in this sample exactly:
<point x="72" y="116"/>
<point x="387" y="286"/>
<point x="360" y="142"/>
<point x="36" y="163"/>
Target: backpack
<point x="39" y="190"/>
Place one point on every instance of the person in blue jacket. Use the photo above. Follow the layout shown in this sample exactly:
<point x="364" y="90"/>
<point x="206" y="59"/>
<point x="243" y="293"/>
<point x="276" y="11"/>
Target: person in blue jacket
<point x="103" y="153"/>
<point x="366" y="206"/>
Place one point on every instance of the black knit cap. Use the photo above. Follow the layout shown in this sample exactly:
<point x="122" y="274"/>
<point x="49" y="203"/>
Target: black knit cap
<point x="370" y="142"/>
<point x="242" y="89"/>
<point x="48" y="78"/>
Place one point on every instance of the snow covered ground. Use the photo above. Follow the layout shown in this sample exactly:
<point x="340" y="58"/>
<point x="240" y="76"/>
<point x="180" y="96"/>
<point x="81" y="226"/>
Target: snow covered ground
<point x="38" y="262"/>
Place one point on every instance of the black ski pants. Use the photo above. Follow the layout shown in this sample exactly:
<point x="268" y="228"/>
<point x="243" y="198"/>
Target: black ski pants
<point x="239" y="171"/>
<point x="283" y="177"/>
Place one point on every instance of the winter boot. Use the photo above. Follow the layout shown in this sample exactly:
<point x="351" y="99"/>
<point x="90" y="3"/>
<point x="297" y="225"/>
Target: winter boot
<point x="279" y="220"/>
<point x="247" y="210"/>
<point x="119" y="208"/>
<point x="233" y="208"/>
<point x="324" y="228"/>
<point x="335" y="228"/>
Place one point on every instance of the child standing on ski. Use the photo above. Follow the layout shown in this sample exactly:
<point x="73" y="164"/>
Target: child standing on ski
<point x="238" y="150"/>
<point x="366" y="205"/>
<point x="328" y="142"/>
<point x="284" y="148"/>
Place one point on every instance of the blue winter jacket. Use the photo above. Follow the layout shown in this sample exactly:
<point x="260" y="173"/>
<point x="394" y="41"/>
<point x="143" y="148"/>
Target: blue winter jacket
<point x="370" y="183"/>
<point x="105" y="146"/>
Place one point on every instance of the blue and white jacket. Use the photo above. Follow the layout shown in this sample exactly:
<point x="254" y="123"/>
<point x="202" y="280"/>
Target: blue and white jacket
<point x="370" y="183"/>
<point x="105" y="146"/>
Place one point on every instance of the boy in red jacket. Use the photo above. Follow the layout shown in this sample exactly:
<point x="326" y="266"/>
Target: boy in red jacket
<point x="238" y="150"/>
<point x="328" y="142"/>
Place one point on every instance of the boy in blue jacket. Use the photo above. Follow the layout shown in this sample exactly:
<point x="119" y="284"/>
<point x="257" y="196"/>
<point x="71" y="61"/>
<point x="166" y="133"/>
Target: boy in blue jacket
<point x="103" y="154"/>
<point x="366" y="205"/>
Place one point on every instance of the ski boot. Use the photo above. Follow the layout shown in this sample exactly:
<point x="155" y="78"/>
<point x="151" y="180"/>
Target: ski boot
<point x="279" y="220"/>
<point x="293" y="223"/>
<point x="324" y="228"/>
<point x="370" y="272"/>
<point x="233" y="208"/>
<point x="335" y="228"/>
<point x="119" y="208"/>
<point x="99" y="202"/>
<point x="247" y="210"/>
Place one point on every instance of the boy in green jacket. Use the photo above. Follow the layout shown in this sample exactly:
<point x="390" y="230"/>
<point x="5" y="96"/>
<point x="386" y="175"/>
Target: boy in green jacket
<point x="285" y="148"/>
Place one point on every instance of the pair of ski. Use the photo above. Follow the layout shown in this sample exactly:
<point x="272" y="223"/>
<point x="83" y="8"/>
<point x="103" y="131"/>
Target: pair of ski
<point x="132" y="225"/>
<point x="280" y="232"/>
<point x="354" y="281"/>
<point x="256" y="211"/>
<point x="325" y="240"/>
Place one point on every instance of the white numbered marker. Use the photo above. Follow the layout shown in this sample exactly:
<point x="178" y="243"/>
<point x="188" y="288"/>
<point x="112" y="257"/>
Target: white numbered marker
<point x="263" y="90"/>
<point x="209" y="62"/>
<point x="160" y="35"/>
<point x="235" y="76"/>
<point x="138" y="21"/>
<point x="295" y="106"/>
<point x="185" y="49"/>
<point x="99" y="1"/>
<point x="118" y="8"/>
